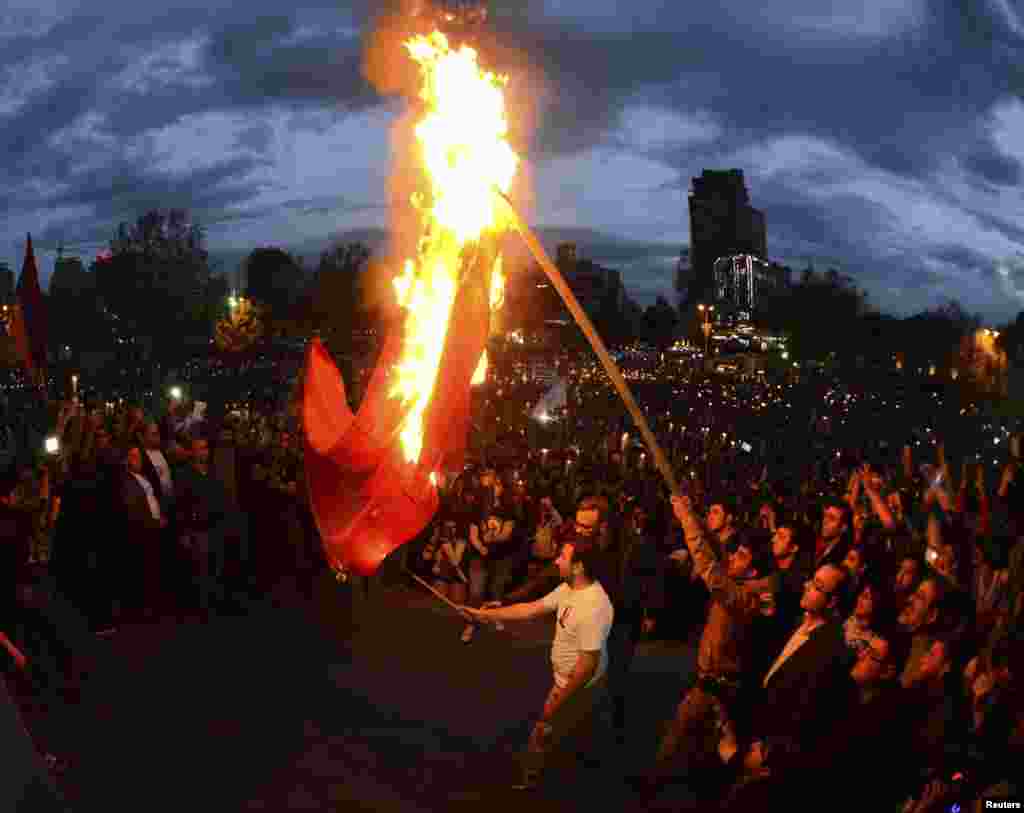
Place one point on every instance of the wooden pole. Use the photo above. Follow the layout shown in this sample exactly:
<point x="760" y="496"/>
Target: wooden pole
<point x="443" y="598"/>
<point x="557" y="280"/>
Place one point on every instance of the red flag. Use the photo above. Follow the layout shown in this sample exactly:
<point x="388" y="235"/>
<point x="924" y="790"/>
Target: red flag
<point x="28" y="324"/>
<point x="366" y="498"/>
<point x="21" y="341"/>
<point x="446" y="424"/>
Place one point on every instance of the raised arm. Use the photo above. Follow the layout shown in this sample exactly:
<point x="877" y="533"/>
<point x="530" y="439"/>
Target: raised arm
<point x="705" y="563"/>
<point x="878" y="505"/>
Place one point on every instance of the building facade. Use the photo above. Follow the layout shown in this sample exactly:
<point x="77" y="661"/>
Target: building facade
<point x="722" y="223"/>
<point x="597" y="288"/>
<point x="742" y="280"/>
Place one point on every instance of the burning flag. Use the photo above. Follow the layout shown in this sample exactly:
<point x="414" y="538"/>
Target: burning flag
<point x="372" y="475"/>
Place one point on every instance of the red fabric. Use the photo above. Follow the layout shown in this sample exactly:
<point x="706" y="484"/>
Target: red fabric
<point x="448" y="416"/>
<point x="19" y="332"/>
<point x="366" y="499"/>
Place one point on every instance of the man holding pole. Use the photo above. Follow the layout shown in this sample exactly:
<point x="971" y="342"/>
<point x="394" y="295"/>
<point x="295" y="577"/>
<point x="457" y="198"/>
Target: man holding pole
<point x="579" y="653"/>
<point x="741" y="588"/>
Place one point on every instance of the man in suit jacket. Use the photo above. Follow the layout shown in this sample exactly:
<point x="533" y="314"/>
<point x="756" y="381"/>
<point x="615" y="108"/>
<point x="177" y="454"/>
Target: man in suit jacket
<point x="808" y="676"/>
<point x="143" y="521"/>
<point x="864" y="730"/>
<point x="155" y="467"/>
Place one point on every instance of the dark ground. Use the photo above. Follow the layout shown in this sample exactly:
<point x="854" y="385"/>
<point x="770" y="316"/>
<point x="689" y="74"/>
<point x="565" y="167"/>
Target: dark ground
<point x="302" y="704"/>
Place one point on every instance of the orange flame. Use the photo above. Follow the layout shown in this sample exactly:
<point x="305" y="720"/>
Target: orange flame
<point x="465" y="155"/>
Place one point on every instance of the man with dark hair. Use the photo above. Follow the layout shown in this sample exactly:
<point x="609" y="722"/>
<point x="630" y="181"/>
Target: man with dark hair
<point x="207" y="520"/>
<point x="794" y="562"/>
<point x="832" y="544"/>
<point x="738" y="592"/>
<point x="805" y="677"/>
<point x="579" y="651"/>
<point x="630" y="571"/>
<point x="924" y="614"/>
<point x="143" y="522"/>
<point x="910" y="568"/>
<point x="935" y="712"/>
<point x="863" y="729"/>
<point x="721" y="523"/>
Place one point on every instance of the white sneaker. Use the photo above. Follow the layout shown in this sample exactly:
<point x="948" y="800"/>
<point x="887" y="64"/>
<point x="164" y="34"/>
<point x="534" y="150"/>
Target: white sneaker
<point x="467" y="633"/>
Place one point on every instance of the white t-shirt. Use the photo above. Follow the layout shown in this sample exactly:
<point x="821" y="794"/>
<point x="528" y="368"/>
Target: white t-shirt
<point x="583" y="619"/>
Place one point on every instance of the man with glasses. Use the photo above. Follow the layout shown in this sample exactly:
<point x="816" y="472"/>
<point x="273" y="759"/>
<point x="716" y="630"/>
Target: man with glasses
<point x="589" y="526"/>
<point x="864" y="730"/>
<point x="806" y="678"/>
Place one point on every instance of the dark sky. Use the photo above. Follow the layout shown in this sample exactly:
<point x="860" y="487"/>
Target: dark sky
<point x="882" y="137"/>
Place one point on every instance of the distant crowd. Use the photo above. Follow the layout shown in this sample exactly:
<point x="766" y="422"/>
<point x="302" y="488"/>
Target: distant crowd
<point x="904" y="567"/>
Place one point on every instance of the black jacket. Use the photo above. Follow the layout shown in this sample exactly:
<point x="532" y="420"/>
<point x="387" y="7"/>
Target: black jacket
<point x="788" y="709"/>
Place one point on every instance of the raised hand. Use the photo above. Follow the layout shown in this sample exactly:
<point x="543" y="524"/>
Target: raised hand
<point x="681" y="506"/>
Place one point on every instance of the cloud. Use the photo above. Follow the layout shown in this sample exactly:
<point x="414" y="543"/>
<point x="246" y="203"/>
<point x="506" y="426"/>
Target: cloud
<point x="881" y="136"/>
<point x="174" y="65"/>
<point x="20" y="82"/>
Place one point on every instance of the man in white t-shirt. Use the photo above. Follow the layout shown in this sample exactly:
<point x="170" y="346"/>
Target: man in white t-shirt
<point x="579" y="652"/>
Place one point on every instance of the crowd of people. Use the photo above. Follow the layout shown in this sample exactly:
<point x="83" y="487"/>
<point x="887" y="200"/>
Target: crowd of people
<point x="134" y="520"/>
<point x="856" y="609"/>
<point x="867" y="632"/>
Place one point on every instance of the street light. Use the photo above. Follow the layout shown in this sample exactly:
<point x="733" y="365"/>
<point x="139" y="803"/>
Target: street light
<point x="706" y="326"/>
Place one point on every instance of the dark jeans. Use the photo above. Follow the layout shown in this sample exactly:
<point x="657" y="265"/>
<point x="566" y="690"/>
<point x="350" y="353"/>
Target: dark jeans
<point x="578" y="723"/>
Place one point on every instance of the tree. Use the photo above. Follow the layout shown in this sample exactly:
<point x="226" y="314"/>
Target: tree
<point x="821" y="314"/>
<point x="1012" y="337"/>
<point x="934" y="336"/>
<point x="660" y="322"/>
<point x="7" y="282"/>
<point x="337" y="301"/>
<point x="273" y="280"/>
<point x="76" y="314"/>
<point x="157" y="283"/>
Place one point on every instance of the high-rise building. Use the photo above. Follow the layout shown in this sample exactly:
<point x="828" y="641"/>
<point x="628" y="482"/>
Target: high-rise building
<point x="742" y="281"/>
<point x="722" y="223"/>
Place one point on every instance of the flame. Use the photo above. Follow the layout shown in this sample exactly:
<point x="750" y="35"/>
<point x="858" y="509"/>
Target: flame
<point x="465" y="155"/>
<point x="497" y="286"/>
<point x="496" y="301"/>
